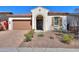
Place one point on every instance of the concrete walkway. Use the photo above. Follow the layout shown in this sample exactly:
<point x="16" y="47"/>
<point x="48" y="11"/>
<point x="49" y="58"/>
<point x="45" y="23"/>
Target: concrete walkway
<point x="11" y="38"/>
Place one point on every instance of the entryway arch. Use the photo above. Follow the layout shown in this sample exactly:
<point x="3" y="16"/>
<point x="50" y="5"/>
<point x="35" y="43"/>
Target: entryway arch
<point x="39" y="22"/>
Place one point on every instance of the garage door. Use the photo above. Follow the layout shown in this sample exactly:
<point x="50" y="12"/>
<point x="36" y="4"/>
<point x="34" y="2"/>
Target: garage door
<point x="22" y="24"/>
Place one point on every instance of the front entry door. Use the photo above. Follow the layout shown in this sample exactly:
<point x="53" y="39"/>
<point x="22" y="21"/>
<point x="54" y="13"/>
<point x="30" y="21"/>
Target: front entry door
<point x="39" y="24"/>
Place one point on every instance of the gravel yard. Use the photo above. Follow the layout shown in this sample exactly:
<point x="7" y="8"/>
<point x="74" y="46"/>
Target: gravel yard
<point x="49" y="40"/>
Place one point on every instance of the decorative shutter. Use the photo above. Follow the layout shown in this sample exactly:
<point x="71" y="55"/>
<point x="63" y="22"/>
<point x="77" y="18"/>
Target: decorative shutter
<point x="60" y="23"/>
<point x="52" y="21"/>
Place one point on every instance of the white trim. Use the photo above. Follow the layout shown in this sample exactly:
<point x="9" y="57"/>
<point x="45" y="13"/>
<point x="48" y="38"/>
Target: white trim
<point x="10" y="21"/>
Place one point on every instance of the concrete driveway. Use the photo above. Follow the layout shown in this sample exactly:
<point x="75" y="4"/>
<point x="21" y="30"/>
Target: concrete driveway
<point x="11" y="38"/>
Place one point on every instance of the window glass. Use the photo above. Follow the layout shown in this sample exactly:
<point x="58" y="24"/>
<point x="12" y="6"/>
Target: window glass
<point x="56" y="20"/>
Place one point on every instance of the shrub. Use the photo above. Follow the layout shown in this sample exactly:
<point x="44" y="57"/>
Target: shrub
<point x="28" y="36"/>
<point x="67" y="38"/>
<point x="40" y="35"/>
<point x="32" y="32"/>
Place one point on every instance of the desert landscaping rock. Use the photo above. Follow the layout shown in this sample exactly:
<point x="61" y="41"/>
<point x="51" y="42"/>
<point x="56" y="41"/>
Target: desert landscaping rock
<point x="46" y="42"/>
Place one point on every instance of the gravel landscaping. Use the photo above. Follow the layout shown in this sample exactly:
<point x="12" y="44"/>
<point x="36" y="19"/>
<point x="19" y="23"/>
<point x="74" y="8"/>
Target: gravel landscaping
<point x="49" y="40"/>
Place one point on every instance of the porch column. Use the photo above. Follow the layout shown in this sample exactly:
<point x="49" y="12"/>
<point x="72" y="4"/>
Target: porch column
<point x="33" y="23"/>
<point x="10" y="23"/>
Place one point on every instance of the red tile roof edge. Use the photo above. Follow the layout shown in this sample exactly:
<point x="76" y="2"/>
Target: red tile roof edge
<point x="30" y="15"/>
<point x="20" y="15"/>
<point x="58" y="13"/>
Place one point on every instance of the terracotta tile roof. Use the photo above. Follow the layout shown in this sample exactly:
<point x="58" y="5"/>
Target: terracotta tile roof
<point x="20" y="15"/>
<point x="57" y="13"/>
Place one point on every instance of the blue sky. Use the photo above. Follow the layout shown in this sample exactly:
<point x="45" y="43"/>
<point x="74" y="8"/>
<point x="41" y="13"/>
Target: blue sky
<point x="27" y="9"/>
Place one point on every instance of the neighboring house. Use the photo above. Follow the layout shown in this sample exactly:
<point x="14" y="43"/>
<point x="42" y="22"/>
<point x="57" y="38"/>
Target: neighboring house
<point x="42" y="19"/>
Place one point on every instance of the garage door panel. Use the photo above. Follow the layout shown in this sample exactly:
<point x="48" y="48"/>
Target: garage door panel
<point x="22" y="25"/>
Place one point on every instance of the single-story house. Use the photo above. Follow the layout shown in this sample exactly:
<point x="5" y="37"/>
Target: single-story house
<point x="41" y="19"/>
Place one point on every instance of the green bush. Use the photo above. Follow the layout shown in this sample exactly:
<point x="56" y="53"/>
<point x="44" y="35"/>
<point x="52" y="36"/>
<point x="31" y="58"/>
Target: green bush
<point x="28" y="36"/>
<point x="67" y="38"/>
<point x="40" y="35"/>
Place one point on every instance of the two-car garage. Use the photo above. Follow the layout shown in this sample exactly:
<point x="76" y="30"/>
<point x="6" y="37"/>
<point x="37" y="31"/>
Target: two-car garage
<point x="20" y="23"/>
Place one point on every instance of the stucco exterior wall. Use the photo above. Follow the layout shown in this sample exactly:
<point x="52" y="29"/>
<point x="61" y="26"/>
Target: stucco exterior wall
<point x="64" y="23"/>
<point x="47" y="20"/>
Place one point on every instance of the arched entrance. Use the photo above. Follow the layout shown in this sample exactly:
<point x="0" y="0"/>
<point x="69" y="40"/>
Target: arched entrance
<point x="39" y="22"/>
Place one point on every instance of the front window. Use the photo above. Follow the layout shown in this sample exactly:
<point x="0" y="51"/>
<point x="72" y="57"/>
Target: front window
<point x="56" y="20"/>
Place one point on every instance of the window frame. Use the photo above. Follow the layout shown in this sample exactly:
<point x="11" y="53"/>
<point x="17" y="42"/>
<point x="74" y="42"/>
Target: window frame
<point x="56" y="20"/>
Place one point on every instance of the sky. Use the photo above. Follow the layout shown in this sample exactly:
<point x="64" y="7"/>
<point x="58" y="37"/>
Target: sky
<point x="27" y="9"/>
